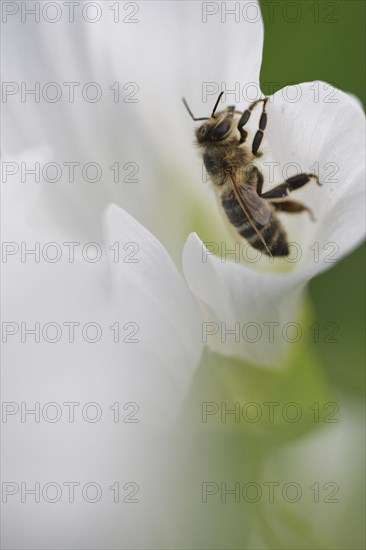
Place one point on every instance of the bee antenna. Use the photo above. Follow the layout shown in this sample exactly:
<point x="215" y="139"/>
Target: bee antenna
<point x="190" y="112"/>
<point x="216" y="104"/>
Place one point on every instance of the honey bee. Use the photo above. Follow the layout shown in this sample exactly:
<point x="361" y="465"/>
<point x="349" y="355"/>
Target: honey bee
<point x="238" y="181"/>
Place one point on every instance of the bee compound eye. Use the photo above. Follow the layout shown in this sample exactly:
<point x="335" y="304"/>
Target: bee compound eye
<point x="202" y="130"/>
<point x="221" y="129"/>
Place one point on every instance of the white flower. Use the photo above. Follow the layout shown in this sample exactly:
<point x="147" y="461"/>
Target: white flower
<point x="170" y="53"/>
<point x="311" y="125"/>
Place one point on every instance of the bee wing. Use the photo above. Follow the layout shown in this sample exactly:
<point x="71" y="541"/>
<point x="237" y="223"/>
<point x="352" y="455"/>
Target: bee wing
<point x="256" y="211"/>
<point x="256" y="206"/>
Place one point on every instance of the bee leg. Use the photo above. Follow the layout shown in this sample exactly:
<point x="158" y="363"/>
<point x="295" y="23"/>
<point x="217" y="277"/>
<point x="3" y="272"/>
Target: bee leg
<point x="260" y="132"/>
<point x="257" y="180"/>
<point x="245" y="117"/>
<point x="291" y="184"/>
<point x="293" y="207"/>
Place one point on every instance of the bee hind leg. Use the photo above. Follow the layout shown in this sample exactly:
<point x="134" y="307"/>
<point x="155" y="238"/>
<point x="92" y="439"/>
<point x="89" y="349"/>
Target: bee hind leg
<point x="293" y="207"/>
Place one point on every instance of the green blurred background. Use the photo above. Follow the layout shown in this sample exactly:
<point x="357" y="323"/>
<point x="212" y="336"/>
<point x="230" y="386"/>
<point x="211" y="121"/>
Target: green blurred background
<point x="326" y="43"/>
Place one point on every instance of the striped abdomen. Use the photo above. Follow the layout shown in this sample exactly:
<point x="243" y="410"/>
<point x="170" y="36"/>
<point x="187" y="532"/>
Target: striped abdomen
<point x="272" y="232"/>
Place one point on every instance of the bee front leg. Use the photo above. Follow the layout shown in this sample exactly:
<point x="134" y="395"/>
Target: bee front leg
<point x="260" y="132"/>
<point x="245" y="117"/>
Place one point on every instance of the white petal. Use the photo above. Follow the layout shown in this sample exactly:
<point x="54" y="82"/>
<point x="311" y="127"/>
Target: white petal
<point x="170" y="52"/>
<point x="195" y="58"/>
<point x="236" y="297"/>
<point x="323" y="132"/>
<point x="192" y="54"/>
<point x="66" y="371"/>
<point x="154" y="373"/>
<point x="152" y="293"/>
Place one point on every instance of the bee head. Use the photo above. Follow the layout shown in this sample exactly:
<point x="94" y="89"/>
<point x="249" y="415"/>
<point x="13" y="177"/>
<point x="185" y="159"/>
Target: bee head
<point x="216" y="127"/>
